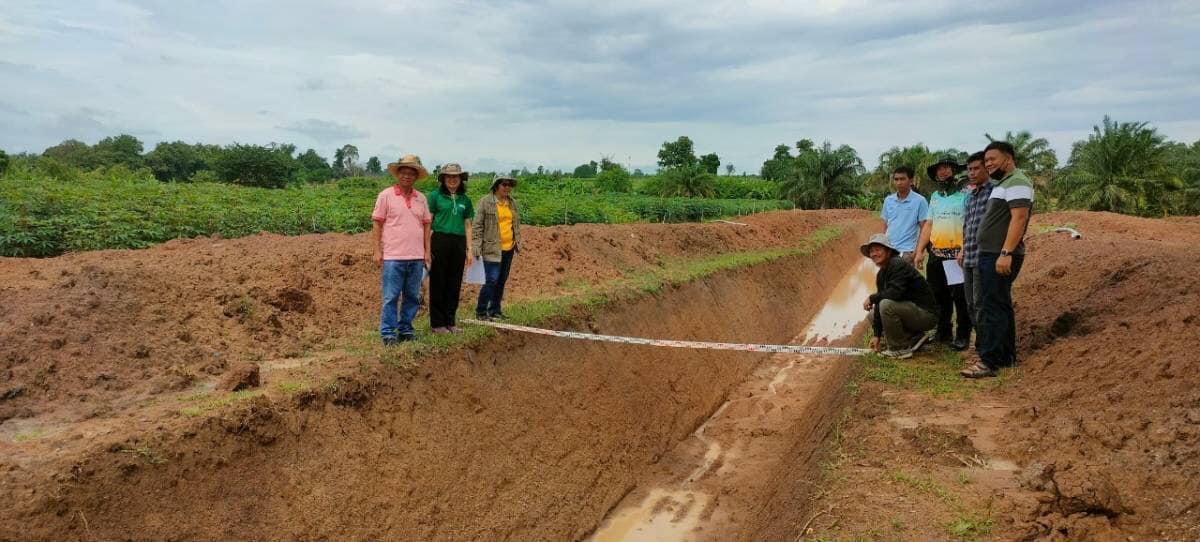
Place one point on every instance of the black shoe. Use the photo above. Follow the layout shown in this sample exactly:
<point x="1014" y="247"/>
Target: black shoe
<point x="960" y="344"/>
<point x="498" y="316"/>
<point x="944" y="338"/>
<point x="407" y="337"/>
<point x="919" y="342"/>
<point x="389" y="341"/>
<point x="482" y="317"/>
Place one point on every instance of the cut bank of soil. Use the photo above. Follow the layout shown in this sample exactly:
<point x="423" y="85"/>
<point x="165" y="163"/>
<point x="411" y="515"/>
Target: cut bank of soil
<point x="524" y="438"/>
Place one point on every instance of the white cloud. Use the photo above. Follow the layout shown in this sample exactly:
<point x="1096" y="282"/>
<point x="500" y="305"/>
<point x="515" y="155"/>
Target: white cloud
<point x="558" y="83"/>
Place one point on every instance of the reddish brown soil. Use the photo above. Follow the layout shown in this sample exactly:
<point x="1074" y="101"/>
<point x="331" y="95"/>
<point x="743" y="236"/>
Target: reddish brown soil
<point x="525" y="438"/>
<point x="97" y="332"/>
<point x="1108" y="406"/>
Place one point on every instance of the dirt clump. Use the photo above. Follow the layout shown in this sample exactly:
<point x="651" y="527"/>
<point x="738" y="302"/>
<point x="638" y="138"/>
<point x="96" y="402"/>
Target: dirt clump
<point x="244" y="376"/>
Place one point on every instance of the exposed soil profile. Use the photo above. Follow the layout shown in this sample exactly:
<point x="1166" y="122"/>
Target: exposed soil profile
<point x="1095" y="437"/>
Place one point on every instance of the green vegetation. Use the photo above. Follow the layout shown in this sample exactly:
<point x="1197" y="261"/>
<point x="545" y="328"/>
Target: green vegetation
<point x="935" y="375"/>
<point x="205" y="402"/>
<point x="44" y="214"/>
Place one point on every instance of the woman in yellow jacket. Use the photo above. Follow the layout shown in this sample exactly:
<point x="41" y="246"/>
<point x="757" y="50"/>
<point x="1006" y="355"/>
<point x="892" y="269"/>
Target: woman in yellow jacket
<point x="495" y="237"/>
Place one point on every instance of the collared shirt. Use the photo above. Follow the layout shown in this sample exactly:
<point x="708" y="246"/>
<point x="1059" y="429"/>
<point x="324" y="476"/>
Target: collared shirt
<point x="904" y="218"/>
<point x="450" y="212"/>
<point x="947" y="212"/>
<point x="976" y="205"/>
<point x="1013" y="192"/>
<point x="403" y="217"/>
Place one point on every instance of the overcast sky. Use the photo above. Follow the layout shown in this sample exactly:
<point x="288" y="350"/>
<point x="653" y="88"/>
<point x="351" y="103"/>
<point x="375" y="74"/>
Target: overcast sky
<point x="506" y="84"/>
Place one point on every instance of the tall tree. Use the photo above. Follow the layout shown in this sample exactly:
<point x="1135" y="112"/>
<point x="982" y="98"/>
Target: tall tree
<point x="711" y="163"/>
<point x="1034" y="155"/>
<point x="585" y="171"/>
<point x="312" y="167"/>
<point x="123" y="150"/>
<point x="677" y="154"/>
<point x="1120" y="167"/>
<point x="74" y="153"/>
<point x="177" y="161"/>
<point x="345" y="163"/>
<point x="255" y="165"/>
<point x="918" y="157"/>
<point x="691" y="181"/>
<point x="729" y="170"/>
<point x="779" y="167"/>
<point x="824" y="177"/>
<point x="374" y="167"/>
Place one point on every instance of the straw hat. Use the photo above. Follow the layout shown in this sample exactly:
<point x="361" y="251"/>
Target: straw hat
<point x="877" y="239"/>
<point x="409" y="161"/>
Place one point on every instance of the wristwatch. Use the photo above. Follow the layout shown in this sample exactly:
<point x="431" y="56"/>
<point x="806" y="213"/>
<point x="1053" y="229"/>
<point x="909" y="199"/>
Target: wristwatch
<point x="1005" y="253"/>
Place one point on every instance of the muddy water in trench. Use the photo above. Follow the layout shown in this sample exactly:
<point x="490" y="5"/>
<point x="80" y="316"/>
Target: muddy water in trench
<point x="682" y="503"/>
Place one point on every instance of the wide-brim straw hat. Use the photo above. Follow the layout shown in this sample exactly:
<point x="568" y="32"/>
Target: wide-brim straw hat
<point x="931" y="171"/>
<point x="877" y="239"/>
<point x="453" y="169"/>
<point x="501" y="178"/>
<point x="409" y="161"/>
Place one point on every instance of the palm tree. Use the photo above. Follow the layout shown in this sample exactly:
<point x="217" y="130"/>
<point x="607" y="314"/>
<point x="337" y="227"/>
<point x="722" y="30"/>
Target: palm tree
<point x="916" y="156"/>
<point x="1033" y="155"/>
<point x="691" y="181"/>
<point x="824" y="177"/>
<point x="1121" y="167"/>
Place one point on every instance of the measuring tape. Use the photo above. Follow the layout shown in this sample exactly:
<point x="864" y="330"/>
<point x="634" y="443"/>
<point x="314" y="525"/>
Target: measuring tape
<point x="767" y="348"/>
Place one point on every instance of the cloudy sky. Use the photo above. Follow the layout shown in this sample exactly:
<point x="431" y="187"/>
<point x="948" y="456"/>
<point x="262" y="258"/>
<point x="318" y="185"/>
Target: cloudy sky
<point x="507" y="84"/>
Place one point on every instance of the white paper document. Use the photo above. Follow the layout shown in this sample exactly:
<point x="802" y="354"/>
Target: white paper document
<point x="474" y="274"/>
<point x="954" y="273"/>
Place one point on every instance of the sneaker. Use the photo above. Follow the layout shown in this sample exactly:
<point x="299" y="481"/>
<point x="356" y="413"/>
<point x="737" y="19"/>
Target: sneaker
<point x="979" y="370"/>
<point x="389" y="341"/>
<point x="407" y="337"/>
<point x="960" y="344"/>
<point x="440" y="330"/>
<point x="897" y="354"/>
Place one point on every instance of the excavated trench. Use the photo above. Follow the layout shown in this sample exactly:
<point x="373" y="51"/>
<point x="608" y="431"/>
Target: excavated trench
<point x="524" y="438"/>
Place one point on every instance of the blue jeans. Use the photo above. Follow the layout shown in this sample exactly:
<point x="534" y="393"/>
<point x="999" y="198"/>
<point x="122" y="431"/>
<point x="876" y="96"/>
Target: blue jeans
<point x="996" y="333"/>
<point x="401" y="282"/>
<point x="495" y="275"/>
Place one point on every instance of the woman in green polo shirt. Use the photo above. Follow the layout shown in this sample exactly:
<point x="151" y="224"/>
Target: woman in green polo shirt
<point x="452" y="213"/>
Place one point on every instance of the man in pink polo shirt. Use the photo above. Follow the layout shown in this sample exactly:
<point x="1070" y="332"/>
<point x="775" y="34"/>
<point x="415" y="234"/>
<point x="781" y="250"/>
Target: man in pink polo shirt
<point x="400" y="239"/>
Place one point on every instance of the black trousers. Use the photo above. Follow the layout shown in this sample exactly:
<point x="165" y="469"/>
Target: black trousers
<point x="445" y="277"/>
<point x="996" y="341"/>
<point x="951" y="300"/>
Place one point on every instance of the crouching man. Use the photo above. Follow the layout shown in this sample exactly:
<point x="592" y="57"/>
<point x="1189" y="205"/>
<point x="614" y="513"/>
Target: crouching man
<point x="903" y="306"/>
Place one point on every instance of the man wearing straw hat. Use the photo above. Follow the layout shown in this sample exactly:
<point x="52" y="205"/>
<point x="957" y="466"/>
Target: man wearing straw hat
<point x="903" y="306"/>
<point x="400" y="240"/>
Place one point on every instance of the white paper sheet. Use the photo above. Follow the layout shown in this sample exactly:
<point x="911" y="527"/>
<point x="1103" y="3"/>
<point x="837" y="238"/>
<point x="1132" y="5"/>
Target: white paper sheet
<point x="474" y="274"/>
<point x="954" y="273"/>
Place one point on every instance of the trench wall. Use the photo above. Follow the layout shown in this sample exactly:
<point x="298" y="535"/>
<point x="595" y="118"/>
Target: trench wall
<point x="526" y="437"/>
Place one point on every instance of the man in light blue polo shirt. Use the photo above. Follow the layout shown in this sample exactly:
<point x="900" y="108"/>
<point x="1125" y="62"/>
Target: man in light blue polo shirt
<point x="903" y="213"/>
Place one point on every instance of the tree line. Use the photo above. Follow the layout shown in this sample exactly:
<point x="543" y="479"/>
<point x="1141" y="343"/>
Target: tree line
<point x="1125" y="167"/>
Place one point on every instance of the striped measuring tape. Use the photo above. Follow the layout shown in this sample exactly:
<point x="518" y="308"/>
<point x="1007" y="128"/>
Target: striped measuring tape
<point x="767" y="348"/>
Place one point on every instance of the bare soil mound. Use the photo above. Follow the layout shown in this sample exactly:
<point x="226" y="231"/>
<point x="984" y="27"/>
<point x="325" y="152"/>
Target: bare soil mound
<point x="85" y="335"/>
<point x="1108" y="417"/>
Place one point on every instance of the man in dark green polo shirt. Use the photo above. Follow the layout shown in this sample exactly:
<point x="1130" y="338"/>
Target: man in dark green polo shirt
<point x="1001" y="254"/>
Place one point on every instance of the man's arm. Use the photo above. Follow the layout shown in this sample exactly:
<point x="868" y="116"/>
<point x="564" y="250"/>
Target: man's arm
<point x="1016" y="228"/>
<point x="922" y="242"/>
<point x="377" y="241"/>
<point x="428" y="252"/>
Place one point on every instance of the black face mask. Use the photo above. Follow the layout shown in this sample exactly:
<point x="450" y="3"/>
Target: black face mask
<point x="997" y="175"/>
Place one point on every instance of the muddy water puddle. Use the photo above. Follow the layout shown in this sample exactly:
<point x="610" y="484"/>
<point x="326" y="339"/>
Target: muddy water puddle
<point x="726" y="451"/>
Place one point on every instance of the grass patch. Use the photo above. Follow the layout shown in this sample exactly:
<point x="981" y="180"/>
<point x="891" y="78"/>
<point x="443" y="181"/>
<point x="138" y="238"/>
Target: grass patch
<point x="291" y="387"/>
<point x="145" y="453"/>
<point x="969" y="526"/>
<point x="932" y="372"/>
<point x="26" y="436"/>
<point x="585" y="299"/>
<point x="925" y="485"/>
<point x="206" y="402"/>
